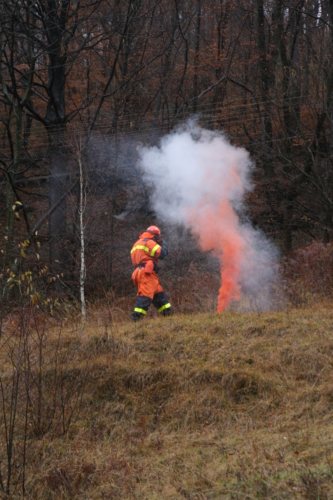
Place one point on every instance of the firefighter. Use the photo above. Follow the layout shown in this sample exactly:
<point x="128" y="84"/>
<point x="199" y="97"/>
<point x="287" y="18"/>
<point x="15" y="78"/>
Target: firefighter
<point x="145" y="254"/>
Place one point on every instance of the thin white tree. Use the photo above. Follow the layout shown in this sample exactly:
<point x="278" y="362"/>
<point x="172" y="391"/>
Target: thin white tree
<point x="82" y="207"/>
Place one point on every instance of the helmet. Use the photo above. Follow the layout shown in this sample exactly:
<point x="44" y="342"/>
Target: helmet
<point x="154" y="230"/>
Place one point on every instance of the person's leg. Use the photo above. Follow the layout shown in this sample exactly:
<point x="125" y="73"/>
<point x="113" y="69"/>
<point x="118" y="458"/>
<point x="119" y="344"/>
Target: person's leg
<point x="162" y="304"/>
<point x="141" y="307"/>
<point x="146" y="287"/>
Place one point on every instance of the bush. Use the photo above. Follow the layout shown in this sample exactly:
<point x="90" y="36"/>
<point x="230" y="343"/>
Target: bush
<point x="309" y="273"/>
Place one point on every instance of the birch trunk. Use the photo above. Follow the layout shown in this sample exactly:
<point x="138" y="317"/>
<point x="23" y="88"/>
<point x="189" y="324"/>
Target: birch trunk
<point x="82" y="266"/>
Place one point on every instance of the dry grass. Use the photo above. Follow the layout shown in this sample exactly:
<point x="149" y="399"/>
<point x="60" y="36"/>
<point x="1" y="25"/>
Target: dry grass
<point x="196" y="407"/>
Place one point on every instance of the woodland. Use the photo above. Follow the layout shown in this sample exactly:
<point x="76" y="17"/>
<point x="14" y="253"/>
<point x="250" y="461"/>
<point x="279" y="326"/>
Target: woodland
<point x="84" y="82"/>
<point x="198" y="405"/>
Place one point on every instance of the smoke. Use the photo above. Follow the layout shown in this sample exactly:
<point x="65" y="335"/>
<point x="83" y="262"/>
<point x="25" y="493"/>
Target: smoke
<point x="199" y="179"/>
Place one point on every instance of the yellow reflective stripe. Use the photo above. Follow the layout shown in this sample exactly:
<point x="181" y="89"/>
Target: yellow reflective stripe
<point x="140" y="247"/>
<point x="156" y="247"/>
<point x="138" y="310"/>
<point x="166" y="306"/>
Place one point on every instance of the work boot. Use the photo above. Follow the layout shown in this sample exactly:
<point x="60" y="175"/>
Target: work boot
<point x="135" y="316"/>
<point x="168" y="312"/>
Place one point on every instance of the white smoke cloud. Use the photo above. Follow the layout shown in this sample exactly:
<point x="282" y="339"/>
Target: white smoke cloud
<point x="199" y="179"/>
<point x="190" y="165"/>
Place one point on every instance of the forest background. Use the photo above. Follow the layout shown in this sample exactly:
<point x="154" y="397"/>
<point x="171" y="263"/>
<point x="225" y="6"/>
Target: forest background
<point x="83" y="83"/>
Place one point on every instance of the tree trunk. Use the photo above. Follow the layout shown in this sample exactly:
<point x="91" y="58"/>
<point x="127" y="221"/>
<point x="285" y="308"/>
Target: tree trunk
<point x="295" y="77"/>
<point x="287" y="227"/>
<point x="83" y="265"/>
<point x="56" y="118"/>
<point x="10" y="195"/>
<point x="196" y="60"/>
<point x="114" y="194"/>
<point x="58" y="185"/>
<point x="264" y="84"/>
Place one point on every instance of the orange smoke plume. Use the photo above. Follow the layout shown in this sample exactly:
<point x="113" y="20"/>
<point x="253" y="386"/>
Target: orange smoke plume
<point x="225" y="243"/>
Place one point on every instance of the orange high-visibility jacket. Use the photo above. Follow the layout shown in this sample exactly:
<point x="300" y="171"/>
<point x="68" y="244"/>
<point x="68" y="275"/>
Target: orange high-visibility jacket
<point x="145" y="249"/>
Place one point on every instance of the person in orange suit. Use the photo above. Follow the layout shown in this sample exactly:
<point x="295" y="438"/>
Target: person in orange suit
<point x="145" y="254"/>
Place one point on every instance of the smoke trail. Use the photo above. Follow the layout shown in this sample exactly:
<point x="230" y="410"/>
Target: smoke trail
<point x="199" y="180"/>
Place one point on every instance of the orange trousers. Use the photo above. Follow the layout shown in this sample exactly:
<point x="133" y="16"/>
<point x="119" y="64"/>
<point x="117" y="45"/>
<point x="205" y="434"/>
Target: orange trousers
<point x="148" y="284"/>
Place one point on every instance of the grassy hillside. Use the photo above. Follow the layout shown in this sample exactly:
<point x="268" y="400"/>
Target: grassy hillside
<point x="194" y="407"/>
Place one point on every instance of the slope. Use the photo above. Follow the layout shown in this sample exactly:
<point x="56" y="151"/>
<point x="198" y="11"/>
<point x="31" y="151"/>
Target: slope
<point x="197" y="407"/>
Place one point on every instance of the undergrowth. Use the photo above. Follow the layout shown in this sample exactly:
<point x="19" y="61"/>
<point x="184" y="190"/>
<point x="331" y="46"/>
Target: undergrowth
<point x="308" y="273"/>
<point x="198" y="407"/>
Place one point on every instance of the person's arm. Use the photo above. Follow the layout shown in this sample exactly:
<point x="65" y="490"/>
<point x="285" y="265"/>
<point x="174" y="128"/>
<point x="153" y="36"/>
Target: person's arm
<point x="164" y="250"/>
